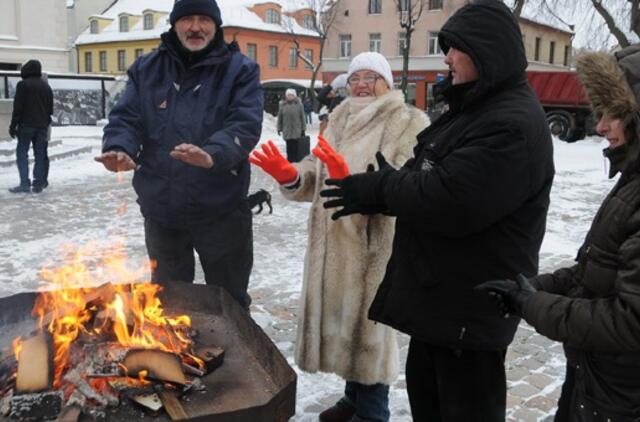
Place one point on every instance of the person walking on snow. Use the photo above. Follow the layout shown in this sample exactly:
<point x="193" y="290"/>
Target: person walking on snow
<point x="345" y="259"/>
<point x="291" y="124"/>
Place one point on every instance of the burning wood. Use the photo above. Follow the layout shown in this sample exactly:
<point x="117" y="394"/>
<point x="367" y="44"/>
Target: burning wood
<point x="212" y="356"/>
<point x="154" y="364"/>
<point x="36" y="406"/>
<point x="35" y="365"/>
<point x="172" y="405"/>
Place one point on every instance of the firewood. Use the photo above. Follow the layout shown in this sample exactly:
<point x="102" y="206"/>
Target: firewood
<point x="35" y="365"/>
<point x="5" y="403"/>
<point x="150" y="401"/>
<point x="159" y="365"/>
<point x="172" y="405"/>
<point x="36" y="406"/>
<point x="212" y="356"/>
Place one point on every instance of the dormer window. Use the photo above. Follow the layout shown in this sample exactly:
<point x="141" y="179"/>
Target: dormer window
<point x="273" y="16"/>
<point x="124" y="24"/>
<point x="308" y="21"/>
<point x="93" y="26"/>
<point x="148" y="21"/>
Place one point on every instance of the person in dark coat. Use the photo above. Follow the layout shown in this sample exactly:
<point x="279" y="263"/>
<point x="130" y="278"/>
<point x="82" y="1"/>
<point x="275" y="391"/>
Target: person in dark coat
<point x="30" y="120"/>
<point x="471" y="204"/>
<point x="330" y="96"/>
<point x="307" y="104"/>
<point x="593" y="307"/>
<point x="188" y="118"/>
<point x="291" y="125"/>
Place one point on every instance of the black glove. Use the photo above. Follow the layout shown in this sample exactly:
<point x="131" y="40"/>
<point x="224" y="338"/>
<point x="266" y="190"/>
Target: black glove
<point x="359" y="193"/>
<point x="12" y="132"/>
<point x="511" y="296"/>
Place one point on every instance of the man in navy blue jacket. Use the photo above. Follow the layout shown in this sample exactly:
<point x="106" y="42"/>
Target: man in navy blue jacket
<point x="189" y="116"/>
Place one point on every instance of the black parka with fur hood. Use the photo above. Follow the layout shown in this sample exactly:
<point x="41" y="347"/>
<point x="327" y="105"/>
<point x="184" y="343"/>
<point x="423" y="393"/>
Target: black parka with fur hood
<point x="594" y="306"/>
<point x="471" y="205"/>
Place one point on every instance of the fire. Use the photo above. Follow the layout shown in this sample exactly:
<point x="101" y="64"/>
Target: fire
<point x="17" y="347"/>
<point x="74" y="294"/>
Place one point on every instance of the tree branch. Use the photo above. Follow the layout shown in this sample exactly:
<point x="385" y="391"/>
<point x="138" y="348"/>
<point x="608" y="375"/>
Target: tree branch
<point x="611" y="24"/>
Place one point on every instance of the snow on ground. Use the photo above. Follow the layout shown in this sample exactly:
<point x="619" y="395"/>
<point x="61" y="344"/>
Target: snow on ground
<point x="83" y="205"/>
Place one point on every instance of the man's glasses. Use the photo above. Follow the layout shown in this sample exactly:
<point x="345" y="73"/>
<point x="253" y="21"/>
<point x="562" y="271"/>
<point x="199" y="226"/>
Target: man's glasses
<point x="369" y="80"/>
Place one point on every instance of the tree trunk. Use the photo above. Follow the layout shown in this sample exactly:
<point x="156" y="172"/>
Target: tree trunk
<point x="611" y="24"/>
<point x="405" y="63"/>
<point x="517" y="7"/>
<point x="635" y="16"/>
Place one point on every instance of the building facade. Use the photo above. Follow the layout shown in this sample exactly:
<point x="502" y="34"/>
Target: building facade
<point x="374" y="25"/>
<point x="34" y="29"/>
<point x="264" y="31"/>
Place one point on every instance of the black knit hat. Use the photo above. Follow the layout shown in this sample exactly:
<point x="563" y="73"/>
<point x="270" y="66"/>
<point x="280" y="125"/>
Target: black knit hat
<point x="182" y="8"/>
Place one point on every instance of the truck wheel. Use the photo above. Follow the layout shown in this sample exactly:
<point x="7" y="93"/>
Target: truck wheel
<point x="561" y="124"/>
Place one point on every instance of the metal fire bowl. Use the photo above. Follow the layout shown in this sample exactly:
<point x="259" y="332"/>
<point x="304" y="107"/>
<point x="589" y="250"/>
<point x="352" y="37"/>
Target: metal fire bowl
<point x="255" y="382"/>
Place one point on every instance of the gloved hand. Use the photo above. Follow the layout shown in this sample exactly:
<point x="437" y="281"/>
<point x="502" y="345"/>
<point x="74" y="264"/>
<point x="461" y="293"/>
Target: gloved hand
<point x="357" y="194"/>
<point x="272" y="162"/>
<point x="511" y="296"/>
<point x="336" y="165"/>
<point x="13" y="132"/>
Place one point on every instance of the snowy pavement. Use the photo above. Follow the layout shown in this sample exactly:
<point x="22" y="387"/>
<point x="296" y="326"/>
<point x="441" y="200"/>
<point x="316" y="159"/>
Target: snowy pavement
<point x="83" y="205"/>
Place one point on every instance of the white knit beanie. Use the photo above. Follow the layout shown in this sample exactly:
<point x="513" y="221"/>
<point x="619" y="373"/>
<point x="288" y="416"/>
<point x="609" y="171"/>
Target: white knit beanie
<point x="340" y="81"/>
<point x="291" y="91"/>
<point x="373" y="61"/>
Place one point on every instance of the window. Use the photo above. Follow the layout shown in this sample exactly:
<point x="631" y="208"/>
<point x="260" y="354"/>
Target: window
<point x="552" y="51"/>
<point x="103" y="61"/>
<point x="536" y="53"/>
<point x="293" y="58"/>
<point x="273" y="56"/>
<point x="252" y="52"/>
<point x="308" y="22"/>
<point x="375" y="7"/>
<point x="122" y="61"/>
<point x="345" y="45"/>
<point x="139" y="52"/>
<point x="404" y="5"/>
<point x="88" y="62"/>
<point x="148" y="21"/>
<point x="124" y="24"/>
<point x="273" y="16"/>
<point x="567" y="53"/>
<point x="435" y="4"/>
<point x="308" y="54"/>
<point x="434" y="46"/>
<point x="402" y="42"/>
<point x="93" y="26"/>
<point x="375" y="41"/>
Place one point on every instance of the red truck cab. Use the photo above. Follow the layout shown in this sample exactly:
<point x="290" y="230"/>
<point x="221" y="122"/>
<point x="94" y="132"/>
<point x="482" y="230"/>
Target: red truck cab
<point x="565" y="103"/>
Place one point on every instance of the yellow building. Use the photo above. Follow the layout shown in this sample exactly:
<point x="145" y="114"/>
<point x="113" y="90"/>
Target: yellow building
<point x="545" y="44"/>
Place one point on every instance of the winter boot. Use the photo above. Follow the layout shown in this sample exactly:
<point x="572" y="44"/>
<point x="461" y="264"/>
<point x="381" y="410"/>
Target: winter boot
<point x="339" y="412"/>
<point x="21" y="189"/>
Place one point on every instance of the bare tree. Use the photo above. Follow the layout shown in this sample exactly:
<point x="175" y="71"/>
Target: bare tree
<point x="325" y="13"/>
<point x="409" y="12"/>
<point x="517" y="7"/>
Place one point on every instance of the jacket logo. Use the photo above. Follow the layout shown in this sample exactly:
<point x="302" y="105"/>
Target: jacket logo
<point x="162" y="105"/>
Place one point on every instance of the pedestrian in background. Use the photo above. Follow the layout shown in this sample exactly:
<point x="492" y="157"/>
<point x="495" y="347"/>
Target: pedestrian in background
<point x="292" y="126"/>
<point x="329" y="97"/>
<point x="593" y="307"/>
<point x="186" y="122"/>
<point x="30" y="121"/>
<point x="345" y="259"/>
<point x="308" y="108"/>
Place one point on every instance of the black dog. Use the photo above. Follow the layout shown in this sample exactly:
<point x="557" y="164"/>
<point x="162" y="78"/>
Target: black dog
<point x="258" y="198"/>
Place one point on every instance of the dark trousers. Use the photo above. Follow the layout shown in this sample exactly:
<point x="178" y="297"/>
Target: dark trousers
<point x="564" y="404"/>
<point x="370" y="401"/>
<point x="293" y="155"/>
<point x="28" y="136"/>
<point x="225" y="248"/>
<point x="447" y="385"/>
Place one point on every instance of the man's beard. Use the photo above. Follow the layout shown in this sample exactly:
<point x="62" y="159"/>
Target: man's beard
<point x="198" y="35"/>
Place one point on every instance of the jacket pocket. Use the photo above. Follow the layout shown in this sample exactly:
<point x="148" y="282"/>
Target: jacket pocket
<point x="600" y="272"/>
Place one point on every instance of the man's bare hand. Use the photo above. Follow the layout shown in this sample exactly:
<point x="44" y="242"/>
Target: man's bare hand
<point x="193" y="155"/>
<point x="116" y="161"/>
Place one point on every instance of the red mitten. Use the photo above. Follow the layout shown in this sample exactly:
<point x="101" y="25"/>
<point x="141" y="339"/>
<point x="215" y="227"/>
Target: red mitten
<point x="272" y="162"/>
<point x="336" y="164"/>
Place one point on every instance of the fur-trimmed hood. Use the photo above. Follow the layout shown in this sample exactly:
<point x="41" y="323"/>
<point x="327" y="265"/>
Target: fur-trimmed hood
<point x="612" y="83"/>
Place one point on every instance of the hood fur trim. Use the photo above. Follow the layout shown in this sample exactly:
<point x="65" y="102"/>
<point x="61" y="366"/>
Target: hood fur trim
<point x="606" y="86"/>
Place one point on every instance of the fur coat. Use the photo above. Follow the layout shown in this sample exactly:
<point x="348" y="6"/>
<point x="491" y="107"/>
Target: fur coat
<point x="346" y="259"/>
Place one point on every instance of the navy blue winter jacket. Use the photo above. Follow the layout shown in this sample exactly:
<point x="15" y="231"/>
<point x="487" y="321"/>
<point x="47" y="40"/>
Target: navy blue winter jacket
<point x="216" y="103"/>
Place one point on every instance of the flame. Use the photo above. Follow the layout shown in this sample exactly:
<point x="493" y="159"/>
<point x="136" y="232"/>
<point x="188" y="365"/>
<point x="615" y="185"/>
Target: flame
<point x="68" y="303"/>
<point x="17" y="347"/>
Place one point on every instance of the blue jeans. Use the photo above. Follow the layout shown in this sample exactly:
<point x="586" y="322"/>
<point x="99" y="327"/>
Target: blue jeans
<point x="370" y="401"/>
<point x="37" y="137"/>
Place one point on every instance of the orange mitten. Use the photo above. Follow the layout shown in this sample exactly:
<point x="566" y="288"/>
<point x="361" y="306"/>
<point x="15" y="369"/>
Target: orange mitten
<point x="272" y="162"/>
<point x="336" y="164"/>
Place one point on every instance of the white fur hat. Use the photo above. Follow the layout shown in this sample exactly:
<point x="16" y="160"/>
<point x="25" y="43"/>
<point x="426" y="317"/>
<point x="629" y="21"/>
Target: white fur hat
<point x="373" y="61"/>
<point x="291" y="91"/>
<point x="340" y="81"/>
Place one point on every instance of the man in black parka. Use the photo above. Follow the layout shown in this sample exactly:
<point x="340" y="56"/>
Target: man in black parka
<point x="470" y="206"/>
<point x="30" y="120"/>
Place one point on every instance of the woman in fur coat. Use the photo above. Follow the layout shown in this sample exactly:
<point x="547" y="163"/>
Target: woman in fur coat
<point x="346" y="259"/>
<point x="593" y="307"/>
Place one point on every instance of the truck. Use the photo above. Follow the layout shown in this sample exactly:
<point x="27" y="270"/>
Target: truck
<point x="565" y="104"/>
